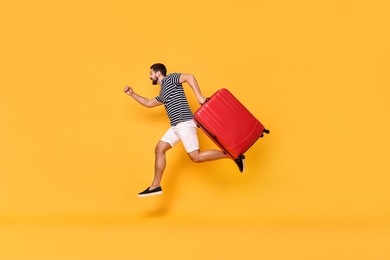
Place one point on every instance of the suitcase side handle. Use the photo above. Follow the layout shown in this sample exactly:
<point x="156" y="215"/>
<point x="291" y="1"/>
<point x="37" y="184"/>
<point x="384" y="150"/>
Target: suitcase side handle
<point x="206" y="100"/>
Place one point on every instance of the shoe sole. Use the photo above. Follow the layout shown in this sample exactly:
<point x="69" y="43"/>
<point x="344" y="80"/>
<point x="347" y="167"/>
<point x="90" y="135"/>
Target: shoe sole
<point x="150" y="194"/>
<point x="243" y="166"/>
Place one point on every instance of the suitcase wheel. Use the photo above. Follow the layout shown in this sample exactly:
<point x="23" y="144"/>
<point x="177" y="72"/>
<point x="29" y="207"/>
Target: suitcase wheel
<point x="265" y="131"/>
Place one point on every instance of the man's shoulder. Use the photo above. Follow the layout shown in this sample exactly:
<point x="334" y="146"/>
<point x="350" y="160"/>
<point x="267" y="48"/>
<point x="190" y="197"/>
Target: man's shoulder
<point x="173" y="77"/>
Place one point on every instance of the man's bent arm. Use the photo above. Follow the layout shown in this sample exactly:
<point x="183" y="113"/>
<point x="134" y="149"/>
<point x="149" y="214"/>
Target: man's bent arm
<point x="142" y="100"/>
<point x="191" y="80"/>
<point x="145" y="101"/>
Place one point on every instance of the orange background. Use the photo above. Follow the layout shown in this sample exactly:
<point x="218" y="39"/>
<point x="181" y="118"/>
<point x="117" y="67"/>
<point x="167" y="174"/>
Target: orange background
<point x="75" y="150"/>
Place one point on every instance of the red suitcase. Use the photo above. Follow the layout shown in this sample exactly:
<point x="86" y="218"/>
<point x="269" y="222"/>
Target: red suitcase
<point x="229" y="124"/>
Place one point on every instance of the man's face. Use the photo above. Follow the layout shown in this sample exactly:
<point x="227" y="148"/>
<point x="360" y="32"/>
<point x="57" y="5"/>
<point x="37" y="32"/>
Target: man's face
<point x="153" y="77"/>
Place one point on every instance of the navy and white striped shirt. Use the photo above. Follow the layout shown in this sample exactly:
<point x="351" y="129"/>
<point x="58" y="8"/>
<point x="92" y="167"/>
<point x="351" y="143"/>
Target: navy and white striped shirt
<point x="173" y="97"/>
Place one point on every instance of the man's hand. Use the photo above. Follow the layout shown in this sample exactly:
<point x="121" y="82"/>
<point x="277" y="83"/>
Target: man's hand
<point x="201" y="99"/>
<point x="128" y="90"/>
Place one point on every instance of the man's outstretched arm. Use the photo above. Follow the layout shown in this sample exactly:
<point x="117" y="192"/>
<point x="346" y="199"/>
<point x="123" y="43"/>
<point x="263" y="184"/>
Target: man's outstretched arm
<point x="142" y="100"/>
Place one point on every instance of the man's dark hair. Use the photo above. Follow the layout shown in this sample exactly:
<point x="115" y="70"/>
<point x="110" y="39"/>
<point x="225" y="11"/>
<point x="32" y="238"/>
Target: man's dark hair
<point x="159" y="67"/>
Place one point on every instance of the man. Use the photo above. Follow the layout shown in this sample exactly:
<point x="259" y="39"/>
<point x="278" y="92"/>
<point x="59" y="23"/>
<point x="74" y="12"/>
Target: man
<point x="183" y="128"/>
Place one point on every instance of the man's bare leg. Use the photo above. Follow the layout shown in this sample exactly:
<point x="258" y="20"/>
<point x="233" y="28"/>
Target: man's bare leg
<point x="211" y="155"/>
<point x="207" y="155"/>
<point x="160" y="163"/>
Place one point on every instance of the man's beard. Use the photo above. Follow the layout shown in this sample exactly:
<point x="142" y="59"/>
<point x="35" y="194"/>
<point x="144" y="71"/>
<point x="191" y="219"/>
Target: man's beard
<point x="154" y="82"/>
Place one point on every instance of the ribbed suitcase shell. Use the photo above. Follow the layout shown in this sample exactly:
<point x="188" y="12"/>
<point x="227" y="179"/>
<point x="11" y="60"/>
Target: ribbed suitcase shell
<point x="228" y="123"/>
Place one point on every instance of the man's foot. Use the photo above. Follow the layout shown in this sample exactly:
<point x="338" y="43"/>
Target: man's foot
<point x="240" y="161"/>
<point x="149" y="192"/>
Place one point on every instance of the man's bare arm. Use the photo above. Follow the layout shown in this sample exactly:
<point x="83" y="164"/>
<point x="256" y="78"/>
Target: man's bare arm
<point x="142" y="100"/>
<point x="191" y="80"/>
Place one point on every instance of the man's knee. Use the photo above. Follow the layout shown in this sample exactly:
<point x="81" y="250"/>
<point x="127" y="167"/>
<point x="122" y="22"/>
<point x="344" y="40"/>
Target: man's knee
<point x="194" y="156"/>
<point x="162" y="147"/>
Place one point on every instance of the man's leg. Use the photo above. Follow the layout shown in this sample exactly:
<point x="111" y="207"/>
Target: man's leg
<point x="166" y="143"/>
<point x="207" y="155"/>
<point x="160" y="163"/>
<point x="210" y="155"/>
<point x="189" y="138"/>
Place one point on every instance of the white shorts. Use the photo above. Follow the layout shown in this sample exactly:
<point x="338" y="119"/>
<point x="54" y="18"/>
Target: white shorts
<point x="184" y="131"/>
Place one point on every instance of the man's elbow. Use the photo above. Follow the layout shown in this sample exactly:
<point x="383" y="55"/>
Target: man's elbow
<point x="149" y="104"/>
<point x="152" y="103"/>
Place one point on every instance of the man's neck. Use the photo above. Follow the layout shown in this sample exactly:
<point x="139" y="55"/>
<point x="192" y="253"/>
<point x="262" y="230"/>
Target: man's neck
<point x="160" y="79"/>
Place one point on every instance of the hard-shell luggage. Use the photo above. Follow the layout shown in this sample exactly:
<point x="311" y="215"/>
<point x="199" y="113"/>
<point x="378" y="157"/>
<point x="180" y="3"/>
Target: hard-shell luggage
<point x="229" y="124"/>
